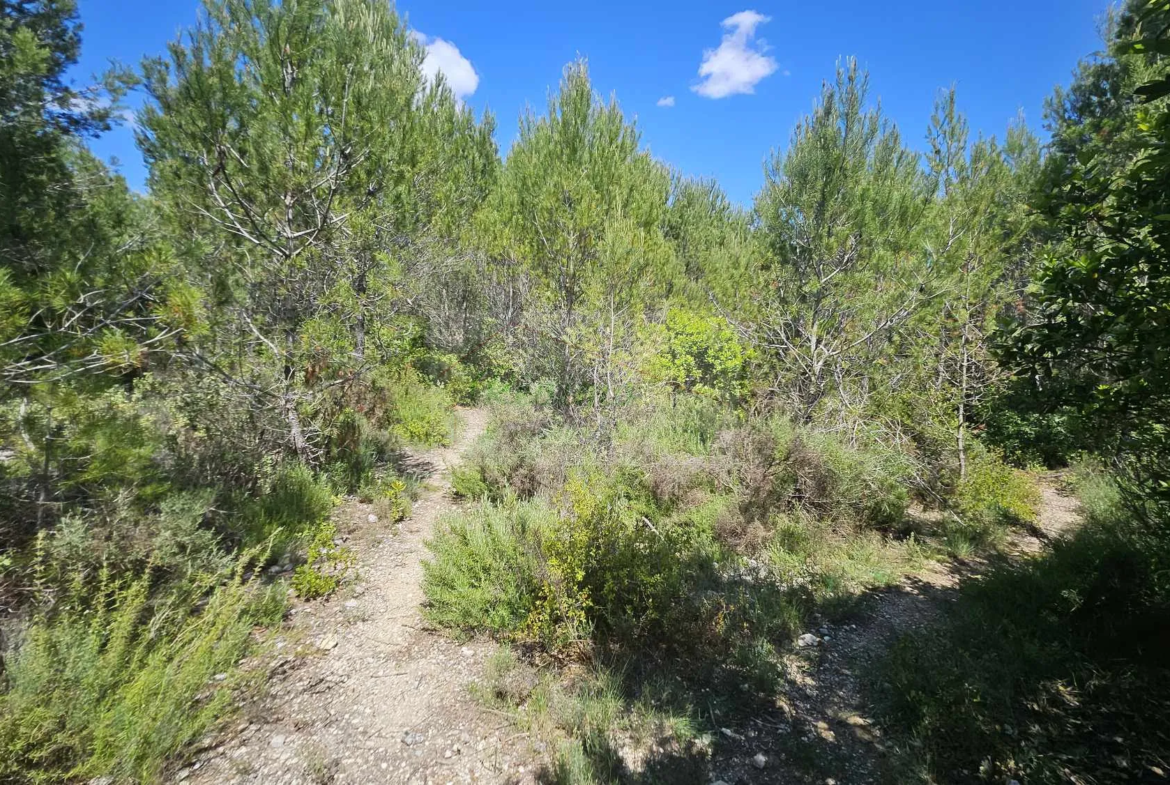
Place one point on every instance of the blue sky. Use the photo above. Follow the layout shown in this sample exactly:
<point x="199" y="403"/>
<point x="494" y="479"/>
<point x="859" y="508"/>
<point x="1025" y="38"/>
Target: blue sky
<point x="762" y="69"/>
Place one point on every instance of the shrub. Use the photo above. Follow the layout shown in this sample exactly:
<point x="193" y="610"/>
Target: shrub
<point x="325" y="565"/>
<point x="484" y="571"/>
<point x="835" y="564"/>
<point x="296" y="500"/>
<point x="111" y="682"/>
<point x="356" y="450"/>
<point x="778" y="466"/>
<point x="992" y="497"/>
<point x="449" y="372"/>
<point x="702" y="356"/>
<point x="864" y="484"/>
<point x="390" y="497"/>
<point x="421" y="413"/>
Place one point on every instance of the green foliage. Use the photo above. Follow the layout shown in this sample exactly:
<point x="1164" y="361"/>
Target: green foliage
<point x="580" y="206"/>
<point x="703" y="356"/>
<point x="484" y="574"/>
<point x="1096" y="340"/>
<point x="390" y="497"/>
<point x="625" y="552"/>
<point x="462" y="382"/>
<point x="421" y="414"/>
<point x="113" y="682"/>
<point x="326" y="565"/>
<point x="1028" y="435"/>
<point x="836" y="564"/>
<point x="840" y="216"/>
<point x="357" y="451"/>
<point x="1035" y="658"/>
<point x="296" y="501"/>
<point x="994" y="494"/>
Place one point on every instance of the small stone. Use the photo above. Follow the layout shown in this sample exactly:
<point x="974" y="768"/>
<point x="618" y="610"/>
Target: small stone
<point x="411" y="739"/>
<point x="808" y="639"/>
<point x="274" y="569"/>
<point x="351" y="603"/>
<point x="447" y="753"/>
<point x="826" y="639"/>
<point x="277" y="741"/>
<point x="219" y="677"/>
<point x="760" y="761"/>
<point x="372" y="518"/>
<point x="466" y="652"/>
<point x="729" y="733"/>
<point x="328" y="642"/>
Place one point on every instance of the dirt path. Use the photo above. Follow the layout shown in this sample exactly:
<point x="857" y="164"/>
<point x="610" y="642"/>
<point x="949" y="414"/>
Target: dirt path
<point x="360" y="691"/>
<point x="824" y="732"/>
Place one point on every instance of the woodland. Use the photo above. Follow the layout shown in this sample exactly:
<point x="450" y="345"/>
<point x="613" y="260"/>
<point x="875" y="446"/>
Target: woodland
<point x="710" y="423"/>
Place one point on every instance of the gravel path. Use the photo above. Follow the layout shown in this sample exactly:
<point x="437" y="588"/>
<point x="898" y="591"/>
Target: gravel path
<point x="359" y="690"/>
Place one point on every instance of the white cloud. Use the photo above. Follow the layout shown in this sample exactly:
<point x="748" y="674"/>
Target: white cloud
<point x="443" y="57"/>
<point x="739" y="63"/>
<point x="666" y="100"/>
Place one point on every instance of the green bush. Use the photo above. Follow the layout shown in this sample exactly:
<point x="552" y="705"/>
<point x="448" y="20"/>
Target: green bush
<point x="777" y="465"/>
<point x="462" y="382"/>
<point x="702" y="356"/>
<point x="296" y="500"/>
<point x="326" y="564"/>
<point x="421" y="413"/>
<point x="484" y="573"/>
<point x="390" y="496"/>
<point x="356" y="451"/>
<point x="835" y="564"/>
<point x="865" y="483"/>
<point x="995" y="495"/>
<point x="113" y="682"/>
<point x="467" y="482"/>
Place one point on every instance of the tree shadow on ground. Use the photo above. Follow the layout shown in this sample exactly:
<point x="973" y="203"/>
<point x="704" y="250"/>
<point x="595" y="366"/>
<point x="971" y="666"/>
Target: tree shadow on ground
<point x="788" y="715"/>
<point x="1049" y="669"/>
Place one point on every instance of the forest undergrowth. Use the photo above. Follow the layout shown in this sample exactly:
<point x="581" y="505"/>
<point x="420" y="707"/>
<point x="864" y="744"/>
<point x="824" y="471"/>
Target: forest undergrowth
<point x="715" y="427"/>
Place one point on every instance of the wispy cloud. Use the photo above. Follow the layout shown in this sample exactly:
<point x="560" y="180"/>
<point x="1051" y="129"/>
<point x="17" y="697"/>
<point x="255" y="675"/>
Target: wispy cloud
<point x="443" y="57"/>
<point x="666" y="100"/>
<point x="739" y="63"/>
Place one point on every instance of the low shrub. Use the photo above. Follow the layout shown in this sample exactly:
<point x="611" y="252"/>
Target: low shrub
<point x="390" y="497"/>
<point x="462" y="382"/>
<point x="485" y="569"/>
<point x="326" y="564"/>
<point x="421" y="413"/>
<point x="835" y="564"/>
<point x="296" y="500"/>
<point x="113" y="682"/>
<point x="865" y="484"/>
<point x="995" y="496"/>
<point x="357" y="450"/>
